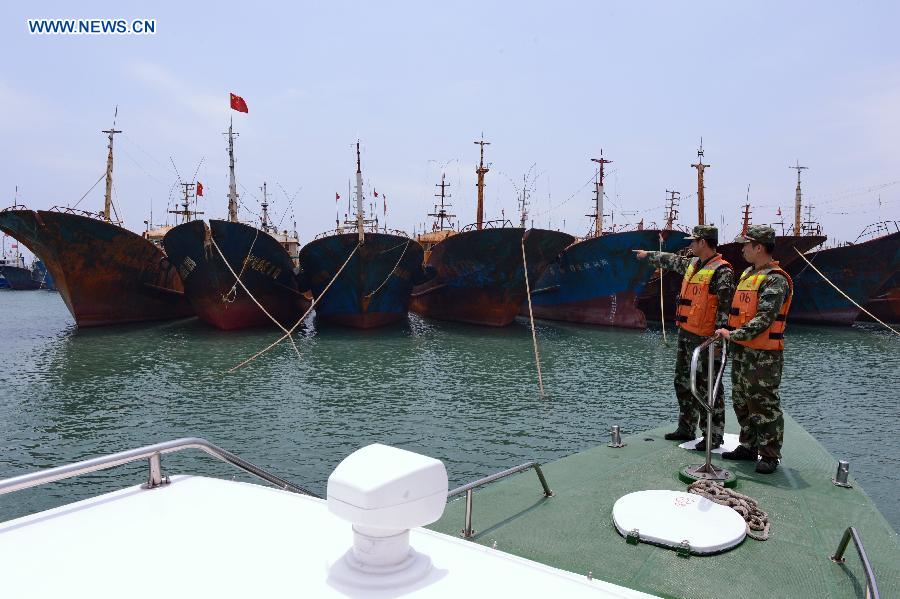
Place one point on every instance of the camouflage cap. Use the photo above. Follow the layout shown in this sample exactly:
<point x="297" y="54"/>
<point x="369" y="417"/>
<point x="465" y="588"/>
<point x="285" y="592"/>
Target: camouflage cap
<point x="757" y="233"/>
<point x="708" y="232"/>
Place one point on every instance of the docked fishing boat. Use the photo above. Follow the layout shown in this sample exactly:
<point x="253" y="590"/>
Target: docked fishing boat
<point x="43" y="276"/>
<point x="885" y="304"/>
<point x="105" y="274"/>
<point x="361" y="276"/>
<point x="18" y="276"/>
<point x="478" y="274"/>
<point x="858" y="269"/>
<point x="235" y="275"/>
<point x="597" y="279"/>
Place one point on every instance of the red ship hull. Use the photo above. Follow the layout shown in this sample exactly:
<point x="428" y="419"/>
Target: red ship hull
<point x="105" y="274"/>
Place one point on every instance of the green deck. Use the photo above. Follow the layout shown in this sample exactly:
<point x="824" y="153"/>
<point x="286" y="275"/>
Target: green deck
<point x="574" y="531"/>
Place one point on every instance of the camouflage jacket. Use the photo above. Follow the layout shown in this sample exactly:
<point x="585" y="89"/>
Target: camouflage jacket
<point x="722" y="281"/>
<point x="772" y="293"/>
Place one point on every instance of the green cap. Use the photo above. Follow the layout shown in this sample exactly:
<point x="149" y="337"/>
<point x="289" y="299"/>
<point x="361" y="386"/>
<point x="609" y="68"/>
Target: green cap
<point x="708" y="232"/>
<point x="757" y="233"/>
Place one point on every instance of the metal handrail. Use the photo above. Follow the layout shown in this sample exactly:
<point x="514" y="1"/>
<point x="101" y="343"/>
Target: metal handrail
<point x="468" y="489"/>
<point x="152" y="454"/>
<point x="706" y="470"/>
<point x="838" y="557"/>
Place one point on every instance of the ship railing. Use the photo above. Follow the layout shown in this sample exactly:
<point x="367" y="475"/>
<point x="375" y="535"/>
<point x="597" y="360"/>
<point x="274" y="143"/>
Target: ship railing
<point x="15" y="207"/>
<point x="469" y="489"/>
<point x="838" y="558"/>
<point x="488" y="224"/>
<point x="79" y="212"/>
<point x="153" y="455"/>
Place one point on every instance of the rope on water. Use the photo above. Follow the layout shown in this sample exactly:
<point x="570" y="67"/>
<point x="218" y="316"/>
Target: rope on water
<point x="302" y="318"/>
<point x="662" y="312"/>
<point x="537" y="354"/>
<point x="390" y="274"/>
<point x="756" y="519"/>
<point x="819" y="272"/>
<point x="250" y="295"/>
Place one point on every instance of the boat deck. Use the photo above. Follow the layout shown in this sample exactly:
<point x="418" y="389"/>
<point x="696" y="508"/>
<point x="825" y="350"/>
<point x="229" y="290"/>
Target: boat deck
<point x="573" y="530"/>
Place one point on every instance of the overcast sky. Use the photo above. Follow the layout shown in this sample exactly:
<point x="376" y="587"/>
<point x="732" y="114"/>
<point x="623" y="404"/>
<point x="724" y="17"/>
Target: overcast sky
<point x="549" y="84"/>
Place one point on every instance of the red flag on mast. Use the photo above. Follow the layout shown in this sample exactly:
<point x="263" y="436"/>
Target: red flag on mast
<point x="376" y="192"/>
<point x="237" y="103"/>
<point x="199" y="189"/>
<point x="337" y="196"/>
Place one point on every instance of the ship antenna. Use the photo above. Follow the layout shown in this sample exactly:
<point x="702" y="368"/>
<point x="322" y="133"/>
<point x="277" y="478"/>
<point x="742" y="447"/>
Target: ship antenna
<point x="232" y="186"/>
<point x="524" y="212"/>
<point x="598" y="195"/>
<point x="107" y="203"/>
<point x="746" y="224"/>
<point x="797" y="198"/>
<point x="701" y="208"/>
<point x="481" y="171"/>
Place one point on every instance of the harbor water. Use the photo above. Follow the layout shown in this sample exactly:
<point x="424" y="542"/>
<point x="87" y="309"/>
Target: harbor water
<point x="464" y="394"/>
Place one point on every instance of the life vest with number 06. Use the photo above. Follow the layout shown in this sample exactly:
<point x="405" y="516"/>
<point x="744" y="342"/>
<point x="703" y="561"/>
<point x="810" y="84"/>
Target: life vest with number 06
<point x="745" y="304"/>
<point x="697" y="303"/>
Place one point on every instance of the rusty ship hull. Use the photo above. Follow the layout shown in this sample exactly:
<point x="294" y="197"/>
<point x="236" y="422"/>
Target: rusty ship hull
<point x="860" y="270"/>
<point x="885" y="305"/>
<point x="479" y="276"/>
<point x="374" y="288"/>
<point x="264" y="266"/>
<point x="785" y="253"/>
<point x="104" y="273"/>
<point x="598" y="280"/>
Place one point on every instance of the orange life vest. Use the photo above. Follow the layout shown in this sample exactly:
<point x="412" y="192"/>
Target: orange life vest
<point x="745" y="304"/>
<point x="697" y="303"/>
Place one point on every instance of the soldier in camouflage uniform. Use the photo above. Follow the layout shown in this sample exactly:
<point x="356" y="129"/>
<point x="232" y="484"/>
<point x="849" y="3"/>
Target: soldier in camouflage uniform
<point x="715" y="293"/>
<point x="756" y="334"/>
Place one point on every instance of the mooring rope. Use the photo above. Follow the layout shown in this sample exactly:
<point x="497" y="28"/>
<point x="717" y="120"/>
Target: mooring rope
<point x="232" y="293"/>
<point x="537" y="354"/>
<point x="662" y="312"/>
<point x="756" y="519"/>
<point x="250" y="295"/>
<point x="390" y="274"/>
<point x="302" y="318"/>
<point x="819" y="272"/>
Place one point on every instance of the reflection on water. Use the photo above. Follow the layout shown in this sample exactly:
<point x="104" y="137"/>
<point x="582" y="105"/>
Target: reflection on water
<point x="467" y="395"/>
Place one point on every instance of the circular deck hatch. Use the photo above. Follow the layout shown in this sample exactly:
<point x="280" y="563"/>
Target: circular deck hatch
<point x="672" y="518"/>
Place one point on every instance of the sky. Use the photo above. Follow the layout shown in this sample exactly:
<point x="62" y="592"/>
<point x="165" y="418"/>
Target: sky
<point x="549" y="85"/>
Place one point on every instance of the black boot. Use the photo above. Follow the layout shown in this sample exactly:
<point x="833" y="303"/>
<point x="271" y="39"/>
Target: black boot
<point x="679" y="435"/>
<point x="767" y="465"/>
<point x="741" y="453"/>
<point x="701" y="446"/>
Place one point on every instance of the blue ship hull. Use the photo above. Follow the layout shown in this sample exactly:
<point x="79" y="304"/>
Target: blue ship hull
<point x="373" y="289"/>
<point x="597" y="280"/>
<point x="860" y="270"/>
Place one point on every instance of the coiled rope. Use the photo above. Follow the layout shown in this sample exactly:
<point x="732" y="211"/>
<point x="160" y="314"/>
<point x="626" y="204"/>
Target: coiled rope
<point x="756" y="519"/>
<point x="819" y="272"/>
<point x="537" y="354"/>
<point x="302" y="318"/>
<point x="250" y="295"/>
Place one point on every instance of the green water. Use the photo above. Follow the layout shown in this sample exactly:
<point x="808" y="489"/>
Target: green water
<point x="467" y="395"/>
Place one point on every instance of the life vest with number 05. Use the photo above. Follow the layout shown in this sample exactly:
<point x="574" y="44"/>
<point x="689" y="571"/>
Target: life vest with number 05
<point x="697" y="303"/>
<point x="745" y="304"/>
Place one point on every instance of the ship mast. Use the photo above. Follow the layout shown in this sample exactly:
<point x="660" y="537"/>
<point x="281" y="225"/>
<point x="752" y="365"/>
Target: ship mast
<point x="671" y="208"/>
<point x="186" y="212"/>
<point x="701" y="207"/>
<point x="524" y="211"/>
<point x="598" y="195"/>
<point x="264" y="218"/>
<point x="360" y="217"/>
<point x="232" y="186"/>
<point x="481" y="171"/>
<point x="746" y="223"/>
<point x="441" y="214"/>
<point x="797" y="197"/>
<point x="107" y="204"/>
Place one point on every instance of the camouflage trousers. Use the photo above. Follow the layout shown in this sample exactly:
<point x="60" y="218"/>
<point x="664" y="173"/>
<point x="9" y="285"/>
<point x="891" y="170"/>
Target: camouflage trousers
<point x="689" y="410"/>
<point x="755" y="378"/>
